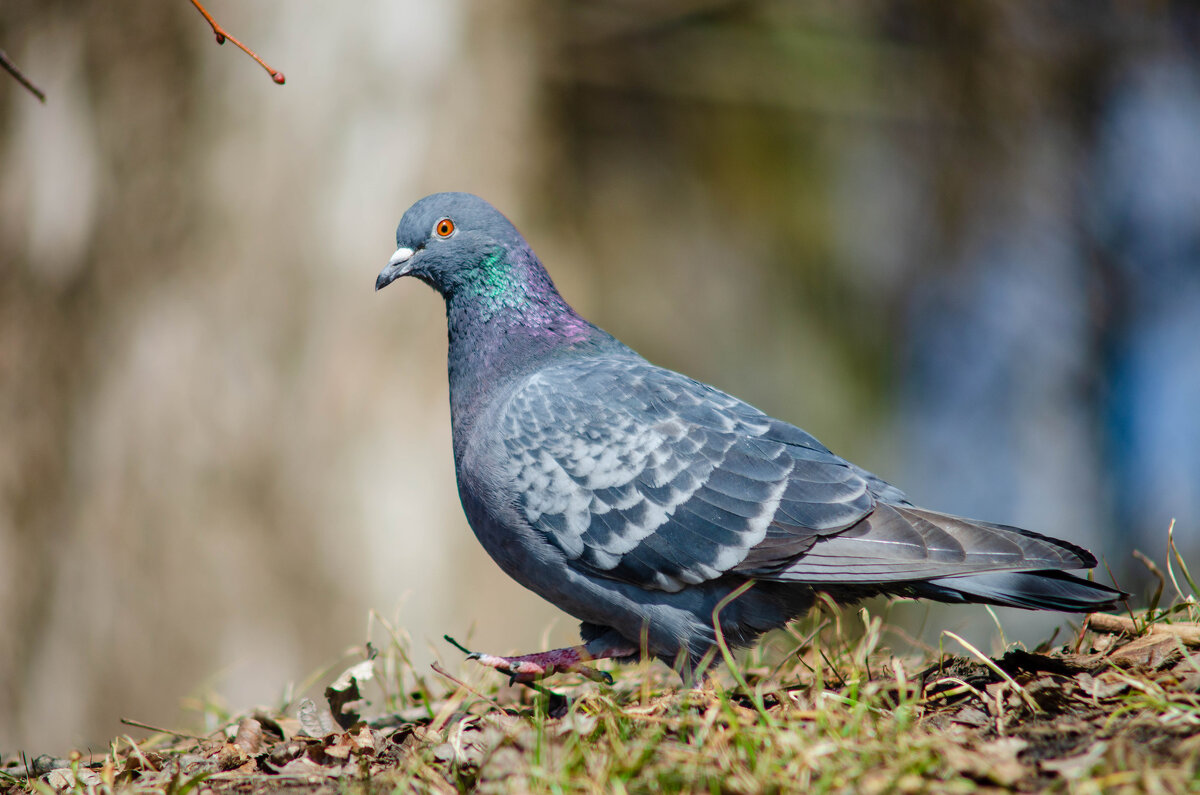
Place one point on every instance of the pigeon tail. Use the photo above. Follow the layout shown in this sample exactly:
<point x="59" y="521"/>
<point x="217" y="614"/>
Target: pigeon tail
<point x="1031" y="590"/>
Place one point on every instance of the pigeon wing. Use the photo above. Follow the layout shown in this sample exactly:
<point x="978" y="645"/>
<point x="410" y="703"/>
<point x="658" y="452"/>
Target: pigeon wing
<point x="643" y="475"/>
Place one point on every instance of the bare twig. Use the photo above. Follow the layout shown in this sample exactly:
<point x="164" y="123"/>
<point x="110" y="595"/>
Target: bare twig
<point x="1103" y="622"/>
<point x="19" y="76"/>
<point x="222" y="35"/>
<point x="161" y="730"/>
<point x="442" y="672"/>
<point x="1157" y="572"/>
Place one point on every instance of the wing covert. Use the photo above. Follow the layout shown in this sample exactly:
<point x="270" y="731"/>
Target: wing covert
<point x="643" y="475"/>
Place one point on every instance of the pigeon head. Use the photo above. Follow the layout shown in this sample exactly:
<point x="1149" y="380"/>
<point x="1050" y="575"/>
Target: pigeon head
<point x="458" y="243"/>
<point x="496" y="290"/>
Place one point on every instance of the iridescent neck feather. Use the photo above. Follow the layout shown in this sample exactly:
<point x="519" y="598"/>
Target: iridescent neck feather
<point x="511" y="288"/>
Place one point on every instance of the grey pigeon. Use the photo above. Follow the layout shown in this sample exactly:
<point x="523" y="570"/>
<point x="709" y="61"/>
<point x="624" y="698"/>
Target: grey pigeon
<point x="637" y="499"/>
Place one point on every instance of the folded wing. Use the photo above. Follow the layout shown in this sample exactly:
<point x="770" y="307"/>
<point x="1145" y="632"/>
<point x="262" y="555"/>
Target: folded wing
<point x="645" y="476"/>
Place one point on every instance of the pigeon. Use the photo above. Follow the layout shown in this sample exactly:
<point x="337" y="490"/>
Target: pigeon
<point x="669" y="517"/>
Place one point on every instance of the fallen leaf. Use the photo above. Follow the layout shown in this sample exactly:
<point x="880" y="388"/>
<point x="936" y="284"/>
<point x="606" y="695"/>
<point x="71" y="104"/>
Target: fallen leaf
<point x="995" y="761"/>
<point x="314" y="721"/>
<point x="231" y="757"/>
<point x="364" y="740"/>
<point x="340" y="747"/>
<point x="1105" y="685"/>
<point x="1050" y="692"/>
<point x="288" y="727"/>
<point x="361" y="672"/>
<point x="64" y="778"/>
<point x="1075" y="767"/>
<point x="1151" y="651"/>
<point x="282" y="753"/>
<point x="344" y="696"/>
<point x="45" y="763"/>
<point x="426" y="735"/>
<point x="971" y="716"/>
<point x="307" y="767"/>
<point x="1190" y="682"/>
<point x="579" y="723"/>
<point x="249" y="736"/>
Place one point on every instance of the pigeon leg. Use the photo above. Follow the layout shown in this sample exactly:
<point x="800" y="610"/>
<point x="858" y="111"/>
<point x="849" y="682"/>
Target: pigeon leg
<point x="532" y="667"/>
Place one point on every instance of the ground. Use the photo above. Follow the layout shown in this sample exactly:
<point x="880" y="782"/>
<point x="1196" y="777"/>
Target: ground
<point x="823" y="707"/>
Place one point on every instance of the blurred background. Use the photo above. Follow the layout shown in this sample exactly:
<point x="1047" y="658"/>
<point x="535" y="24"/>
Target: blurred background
<point x="958" y="242"/>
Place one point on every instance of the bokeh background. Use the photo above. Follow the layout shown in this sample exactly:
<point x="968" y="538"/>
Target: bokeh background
<point x="959" y="242"/>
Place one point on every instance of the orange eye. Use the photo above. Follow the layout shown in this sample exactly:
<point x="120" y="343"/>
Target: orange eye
<point x="444" y="228"/>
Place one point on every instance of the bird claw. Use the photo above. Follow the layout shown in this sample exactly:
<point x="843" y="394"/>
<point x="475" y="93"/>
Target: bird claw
<point x="595" y="674"/>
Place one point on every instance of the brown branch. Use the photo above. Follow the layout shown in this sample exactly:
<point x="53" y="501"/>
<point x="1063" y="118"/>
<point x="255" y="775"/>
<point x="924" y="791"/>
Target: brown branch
<point x="222" y="35"/>
<point x="1102" y="622"/>
<point x="160" y="730"/>
<point x="438" y="669"/>
<point x="12" y="69"/>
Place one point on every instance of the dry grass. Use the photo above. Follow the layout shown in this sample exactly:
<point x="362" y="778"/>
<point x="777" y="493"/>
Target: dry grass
<point x="820" y="708"/>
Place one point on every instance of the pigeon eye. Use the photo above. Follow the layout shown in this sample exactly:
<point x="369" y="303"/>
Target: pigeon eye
<point x="444" y="228"/>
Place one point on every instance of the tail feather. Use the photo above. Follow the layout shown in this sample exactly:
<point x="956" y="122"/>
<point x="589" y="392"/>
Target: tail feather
<point x="1032" y="590"/>
<point x="901" y="543"/>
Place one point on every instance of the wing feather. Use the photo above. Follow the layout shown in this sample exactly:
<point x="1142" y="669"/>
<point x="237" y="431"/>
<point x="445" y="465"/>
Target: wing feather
<point x="646" y="476"/>
<point x="642" y="475"/>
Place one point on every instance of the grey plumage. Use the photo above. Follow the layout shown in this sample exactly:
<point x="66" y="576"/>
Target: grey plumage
<point x="636" y="498"/>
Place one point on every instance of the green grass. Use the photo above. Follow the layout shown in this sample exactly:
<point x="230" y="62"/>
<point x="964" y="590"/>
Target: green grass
<point x="824" y="707"/>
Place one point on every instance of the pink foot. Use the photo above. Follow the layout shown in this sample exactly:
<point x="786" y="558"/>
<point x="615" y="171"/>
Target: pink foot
<point x="531" y="667"/>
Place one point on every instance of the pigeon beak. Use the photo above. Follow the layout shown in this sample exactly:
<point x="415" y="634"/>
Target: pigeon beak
<point x="399" y="265"/>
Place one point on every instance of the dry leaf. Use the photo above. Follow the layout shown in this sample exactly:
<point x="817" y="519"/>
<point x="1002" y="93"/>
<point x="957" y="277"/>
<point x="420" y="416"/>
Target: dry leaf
<point x="314" y="721"/>
<point x="307" y="767"/>
<point x="579" y="723"/>
<point x="64" y="778"/>
<point x="231" y="757"/>
<point x="364" y="740"/>
<point x="1105" y="685"/>
<point x="289" y="727"/>
<point x="344" y="697"/>
<point x="995" y="761"/>
<point x="340" y="747"/>
<point x="1075" y="767"/>
<point x="971" y="716"/>
<point x="361" y="672"/>
<point x="1104" y="642"/>
<point x="1152" y="652"/>
<point x="249" y="736"/>
<point x="427" y="735"/>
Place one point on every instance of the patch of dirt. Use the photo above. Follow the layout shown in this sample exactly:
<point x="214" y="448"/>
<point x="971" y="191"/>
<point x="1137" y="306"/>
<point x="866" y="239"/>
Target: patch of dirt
<point x="1117" y="699"/>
